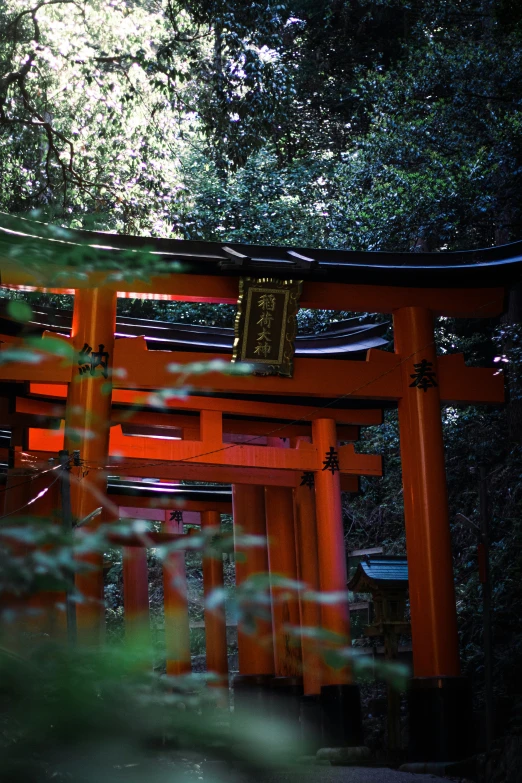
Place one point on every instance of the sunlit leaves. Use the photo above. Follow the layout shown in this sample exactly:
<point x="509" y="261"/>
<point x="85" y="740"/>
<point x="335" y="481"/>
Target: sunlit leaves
<point x="91" y="80"/>
<point x="22" y="355"/>
<point x="214" y="365"/>
<point x="53" y="346"/>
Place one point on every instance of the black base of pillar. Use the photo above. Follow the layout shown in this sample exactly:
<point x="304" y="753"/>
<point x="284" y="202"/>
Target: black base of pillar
<point x="311" y="724"/>
<point x="286" y="697"/>
<point x="341" y="716"/>
<point x="253" y="694"/>
<point x="440" y="718"/>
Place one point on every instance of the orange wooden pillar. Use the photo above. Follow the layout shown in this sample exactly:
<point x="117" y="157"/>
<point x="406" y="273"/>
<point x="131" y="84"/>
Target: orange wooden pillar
<point x="342" y="724"/>
<point x="136" y="598"/>
<point x="430" y="568"/>
<point x="177" y="631"/>
<point x="87" y="424"/>
<point x="310" y="611"/>
<point x="135" y="594"/>
<point x="215" y="619"/>
<point x="335" y="617"/>
<point x="252" y="687"/>
<point x="279" y="504"/>
<point x="438" y="693"/>
<point x="255" y="650"/>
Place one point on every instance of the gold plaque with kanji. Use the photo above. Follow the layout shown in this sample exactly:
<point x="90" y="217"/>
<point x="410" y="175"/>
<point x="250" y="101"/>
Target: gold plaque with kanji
<point x="266" y="325"/>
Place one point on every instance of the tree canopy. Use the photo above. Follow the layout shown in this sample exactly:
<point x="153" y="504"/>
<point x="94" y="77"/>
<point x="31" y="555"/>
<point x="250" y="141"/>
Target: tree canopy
<point x="379" y="123"/>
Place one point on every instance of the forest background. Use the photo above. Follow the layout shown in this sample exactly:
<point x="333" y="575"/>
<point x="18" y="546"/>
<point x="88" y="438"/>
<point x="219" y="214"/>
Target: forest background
<point x="356" y="124"/>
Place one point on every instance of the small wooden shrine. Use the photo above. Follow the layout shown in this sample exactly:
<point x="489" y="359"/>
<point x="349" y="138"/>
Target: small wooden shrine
<point x="386" y="579"/>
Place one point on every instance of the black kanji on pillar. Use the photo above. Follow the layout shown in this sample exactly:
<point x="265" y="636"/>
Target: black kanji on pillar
<point x="307" y="479"/>
<point x="100" y="358"/>
<point x="176" y="516"/>
<point x="332" y="460"/>
<point x="89" y="360"/>
<point x="84" y="358"/>
<point x="424" y="375"/>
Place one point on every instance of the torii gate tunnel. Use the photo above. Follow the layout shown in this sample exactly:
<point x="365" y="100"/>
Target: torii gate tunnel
<point x="229" y="428"/>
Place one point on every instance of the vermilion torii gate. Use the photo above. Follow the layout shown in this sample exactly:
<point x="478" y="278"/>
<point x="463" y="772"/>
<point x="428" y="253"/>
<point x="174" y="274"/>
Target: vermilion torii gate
<point x="152" y="455"/>
<point x="162" y="502"/>
<point x="146" y="456"/>
<point x="413" y="288"/>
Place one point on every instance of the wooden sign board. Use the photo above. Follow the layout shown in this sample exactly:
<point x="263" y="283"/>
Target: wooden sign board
<point x="266" y="325"/>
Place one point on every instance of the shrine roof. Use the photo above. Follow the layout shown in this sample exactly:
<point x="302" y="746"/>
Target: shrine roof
<point x="378" y="572"/>
<point x="348" y="339"/>
<point x="498" y="265"/>
<point x="162" y="490"/>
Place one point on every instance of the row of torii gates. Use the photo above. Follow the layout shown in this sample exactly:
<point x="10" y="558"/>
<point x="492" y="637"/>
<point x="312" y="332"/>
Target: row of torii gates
<point x="285" y="444"/>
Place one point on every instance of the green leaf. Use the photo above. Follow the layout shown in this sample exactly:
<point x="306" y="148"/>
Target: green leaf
<point x="19" y="310"/>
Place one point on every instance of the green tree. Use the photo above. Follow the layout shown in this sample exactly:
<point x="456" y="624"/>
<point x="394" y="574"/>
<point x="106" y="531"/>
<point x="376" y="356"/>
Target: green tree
<point x="85" y="133"/>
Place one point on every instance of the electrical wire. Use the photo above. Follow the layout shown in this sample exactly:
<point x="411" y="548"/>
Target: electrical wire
<point x="36" y="474"/>
<point x="33" y="500"/>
